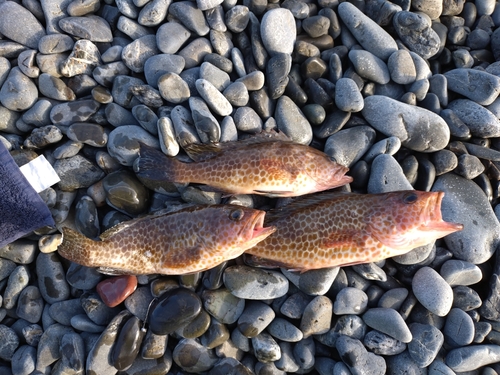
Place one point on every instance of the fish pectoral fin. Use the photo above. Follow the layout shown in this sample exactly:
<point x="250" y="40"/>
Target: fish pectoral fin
<point x="274" y="194"/>
<point x="256" y="261"/>
<point x="113" y="271"/>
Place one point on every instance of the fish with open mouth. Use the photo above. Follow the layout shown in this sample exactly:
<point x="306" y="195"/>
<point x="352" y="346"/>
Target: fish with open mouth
<point x="270" y="167"/>
<point x="341" y="229"/>
<point x="190" y="240"/>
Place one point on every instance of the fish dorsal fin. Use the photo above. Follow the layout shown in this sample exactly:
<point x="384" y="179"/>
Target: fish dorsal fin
<point x="201" y="152"/>
<point x="306" y="201"/>
<point x="117" y="228"/>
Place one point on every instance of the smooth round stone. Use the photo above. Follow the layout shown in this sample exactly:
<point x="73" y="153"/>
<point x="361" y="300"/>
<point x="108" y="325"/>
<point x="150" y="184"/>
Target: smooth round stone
<point x="123" y="143"/>
<point x="277" y="70"/>
<point x="125" y="193"/>
<point x="278" y="31"/>
<point x="88" y="133"/>
<point x="153" y="13"/>
<point x="132" y="29"/>
<point x="401" y="67"/>
<point x="63" y="311"/>
<point x="432" y="8"/>
<point x="350" y="301"/>
<point x="237" y="94"/>
<point x="6" y="268"/>
<point x="459" y="82"/>
<point x="83" y="59"/>
<point x="190" y="16"/>
<point x="293" y="307"/>
<point x="347" y="146"/>
<point x="464" y="202"/>
<point x="369" y="66"/>
<point x="457" y="272"/>
<point x="77" y="172"/>
<point x="459" y="328"/>
<point x="223" y="305"/>
<point x="158" y="65"/>
<point x="154" y="346"/>
<point x="416" y="33"/>
<point x="39" y="114"/>
<point x="426" y="343"/>
<point x="83" y="8"/>
<point x="255" y="318"/>
<point x="389" y="322"/>
<point x="135" y="54"/>
<point x="292" y="122"/>
<point x="216" y="335"/>
<point x="127" y="344"/>
<point x="217" y="77"/>
<point x="382" y="344"/>
<point x="48" y="348"/>
<point x="73" y="357"/>
<point x="317" y="317"/>
<point x="195" y="52"/>
<point x="18" y="92"/>
<point x="95" y="309"/>
<point x="481" y="122"/>
<point x="191" y="356"/>
<point x="266" y="349"/>
<point x="26" y="62"/>
<point x="51" y="281"/>
<point x="91" y="27"/>
<point x="348" y="98"/>
<point x="115" y="290"/>
<point x="105" y="74"/>
<point x="432" y="291"/>
<point x="444" y="161"/>
<point x="148" y="96"/>
<point x="206" y="124"/>
<point x="174" y="309"/>
<point x="247" y="120"/>
<point x="237" y="18"/>
<point x="314" y="282"/>
<point x="253" y="283"/>
<point x="357" y="358"/>
<point x="55" y="88"/>
<point x="171" y="36"/>
<point x="77" y="111"/>
<point x="466" y="298"/>
<point x="9" y="342"/>
<point x="20" y="25"/>
<point x="469" y="166"/>
<point x="283" y="330"/>
<point x="470" y="358"/>
<point x="197" y="327"/>
<point x="367" y="32"/>
<point x="214" y="98"/>
<point x="387" y="175"/>
<point x="173" y="88"/>
<point x="82" y="277"/>
<point x="24" y="360"/>
<point x="83" y="323"/>
<point x="417" y="128"/>
<point x="30" y="304"/>
<point x="393" y="298"/>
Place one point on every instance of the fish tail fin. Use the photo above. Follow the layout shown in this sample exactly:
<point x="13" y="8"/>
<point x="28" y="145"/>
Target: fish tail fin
<point x="154" y="165"/>
<point x="78" y="248"/>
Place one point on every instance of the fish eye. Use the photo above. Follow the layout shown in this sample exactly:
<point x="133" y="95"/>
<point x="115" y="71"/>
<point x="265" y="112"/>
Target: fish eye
<point x="410" y="198"/>
<point x="236" y="214"/>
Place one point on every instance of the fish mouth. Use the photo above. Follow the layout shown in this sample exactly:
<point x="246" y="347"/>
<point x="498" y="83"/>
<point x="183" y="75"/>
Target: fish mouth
<point x="435" y="220"/>
<point x="257" y="230"/>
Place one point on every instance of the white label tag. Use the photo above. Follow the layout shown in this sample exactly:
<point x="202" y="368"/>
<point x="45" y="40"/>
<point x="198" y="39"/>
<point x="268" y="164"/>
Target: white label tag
<point x="40" y="174"/>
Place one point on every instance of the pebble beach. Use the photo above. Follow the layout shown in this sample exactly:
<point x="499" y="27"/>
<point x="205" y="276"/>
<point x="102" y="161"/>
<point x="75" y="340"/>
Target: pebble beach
<point x="403" y="93"/>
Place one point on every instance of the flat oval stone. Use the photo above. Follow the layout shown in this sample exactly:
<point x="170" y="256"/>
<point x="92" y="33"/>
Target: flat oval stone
<point x="255" y="318"/>
<point x="278" y="31"/>
<point x="115" y="290"/>
<point x="350" y="301"/>
<point x="417" y="128"/>
<point x="173" y="88"/>
<point x="18" y="92"/>
<point x="457" y="272"/>
<point x="123" y="143"/>
<point x="174" y="309"/>
<point x="135" y="54"/>
<point x="128" y="344"/>
<point x="480" y="121"/>
<point x="223" y="305"/>
<point x="190" y="16"/>
<point x="357" y="358"/>
<point x="317" y="317"/>
<point x="171" y="36"/>
<point x="30" y="304"/>
<point x="77" y="111"/>
<point x="459" y="328"/>
<point x="292" y="122"/>
<point x="369" y="66"/>
<point x="470" y="358"/>
<point x="125" y="193"/>
<point x="252" y="283"/>
<point x="193" y="357"/>
<point x="88" y="133"/>
<point x="432" y="291"/>
<point x="51" y="281"/>
<point x="467" y="81"/>
<point x="20" y="25"/>
<point x="388" y="321"/>
<point x="283" y="330"/>
<point x="93" y="28"/>
<point x="426" y="343"/>
<point x="371" y="36"/>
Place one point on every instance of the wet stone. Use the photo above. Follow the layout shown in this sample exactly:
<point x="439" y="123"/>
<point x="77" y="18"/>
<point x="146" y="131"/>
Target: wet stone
<point x="382" y="344"/>
<point x="77" y="111"/>
<point x="115" y="290"/>
<point x="49" y="347"/>
<point x="51" y="281"/>
<point x="426" y="343"/>
<point x="123" y="143"/>
<point x="77" y="172"/>
<point x="127" y="344"/>
<point x="82" y="322"/>
<point x="153" y="346"/>
<point x="251" y="283"/>
<point x="72" y="353"/>
<point x="196" y="327"/>
<point x="63" y="311"/>
<point x="222" y="305"/>
<point x="255" y="318"/>
<point x="216" y="334"/>
<point x="266" y="349"/>
<point x="82" y="277"/>
<point x="95" y="309"/>
<point x="173" y="310"/>
<point x="466" y="298"/>
<point x="193" y="357"/>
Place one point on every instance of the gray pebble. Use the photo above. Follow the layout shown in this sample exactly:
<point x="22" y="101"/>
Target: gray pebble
<point x="247" y="120"/>
<point x="347" y="325"/>
<point x="382" y="344"/>
<point x="401" y="363"/>
<point x="18" y="92"/>
<point x="481" y="122"/>
<point x="459" y="328"/>
<point x="426" y="343"/>
<point x="317" y="317"/>
<point x="393" y="298"/>
<point x="348" y="98"/>
<point x="217" y="77"/>
<point x="30" y="304"/>
<point x="173" y="88"/>
<point x="358" y="359"/>
<point x="387" y="175"/>
<point x="82" y="322"/>
<point x="427" y="133"/>
<point x="49" y="348"/>
<point x="277" y="70"/>
<point x="24" y="360"/>
<point x="195" y="52"/>
<point x="457" y="272"/>
<point x="77" y="172"/>
<point x="389" y="322"/>
<point x="370" y="35"/>
<point x="466" y="298"/>
<point x="123" y="143"/>
<point x="401" y="67"/>
<point x="171" y="36"/>
<point x="350" y="301"/>
<point x="237" y="94"/>
<point x="266" y="349"/>
<point x="190" y="16"/>
<point x="166" y="132"/>
<point x="237" y="18"/>
<point x="469" y="166"/>
<point x="293" y="307"/>
<point x="292" y="122"/>
<point x="93" y="28"/>
<point x="432" y="291"/>
<point x="135" y="54"/>
<point x="20" y="25"/>
<point x="479" y="237"/>
<point x="470" y="358"/>
<point x="87" y="133"/>
<point x="193" y="357"/>
<point x="63" y="311"/>
<point x="287" y="361"/>
<point x="214" y="98"/>
<point x="26" y="62"/>
<point x="72" y="354"/>
<point x="369" y="66"/>
<point x="347" y="146"/>
<point x="83" y="59"/>
<point x="96" y="310"/>
<point x="154" y="12"/>
<point x="459" y="81"/>
<point x="255" y="318"/>
<point x="77" y="111"/>
<point x="51" y="280"/>
<point x="206" y="124"/>
<point x="223" y="305"/>
<point x="252" y="283"/>
<point x="283" y="330"/>
<point x="278" y="31"/>
<point x="313" y="282"/>
<point x="105" y="74"/>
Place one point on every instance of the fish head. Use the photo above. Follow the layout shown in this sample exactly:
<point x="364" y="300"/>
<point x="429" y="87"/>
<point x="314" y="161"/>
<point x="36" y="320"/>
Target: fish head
<point x="327" y="173"/>
<point x="408" y="219"/>
<point x="238" y="228"/>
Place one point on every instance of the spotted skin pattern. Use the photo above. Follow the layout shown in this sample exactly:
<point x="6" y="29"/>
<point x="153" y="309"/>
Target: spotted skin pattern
<point x="272" y="168"/>
<point x="339" y="229"/>
<point x="186" y="241"/>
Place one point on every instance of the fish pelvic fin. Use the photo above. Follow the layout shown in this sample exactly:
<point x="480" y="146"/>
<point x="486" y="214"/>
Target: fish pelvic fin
<point x="154" y="165"/>
<point x="78" y="248"/>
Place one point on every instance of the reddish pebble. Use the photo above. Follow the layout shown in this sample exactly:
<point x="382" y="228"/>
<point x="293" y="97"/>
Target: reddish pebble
<point x="114" y="290"/>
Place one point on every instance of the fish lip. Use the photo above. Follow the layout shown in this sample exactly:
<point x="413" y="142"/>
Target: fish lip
<point x="435" y="221"/>
<point x="258" y="231"/>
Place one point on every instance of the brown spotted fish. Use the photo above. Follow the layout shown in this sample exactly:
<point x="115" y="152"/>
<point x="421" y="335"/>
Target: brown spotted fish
<point x="340" y="229"/>
<point x="190" y="240"/>
<point x="271" y="167"/>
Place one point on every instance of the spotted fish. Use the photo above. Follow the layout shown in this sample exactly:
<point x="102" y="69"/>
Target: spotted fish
<point x="270" y="167"/>
<point x="340" y="229"/>
<point x="190" y="240"/>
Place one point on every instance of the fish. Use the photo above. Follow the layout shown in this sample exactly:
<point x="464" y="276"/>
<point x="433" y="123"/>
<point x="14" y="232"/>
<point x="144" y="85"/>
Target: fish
<point x="342" y="229"/>
<point x="270" y="167"/>
<point x="190" y="240"/>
